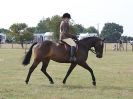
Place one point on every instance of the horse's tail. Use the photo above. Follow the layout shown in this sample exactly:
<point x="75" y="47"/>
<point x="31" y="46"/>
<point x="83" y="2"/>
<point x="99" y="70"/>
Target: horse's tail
<point x="27" y="57"/>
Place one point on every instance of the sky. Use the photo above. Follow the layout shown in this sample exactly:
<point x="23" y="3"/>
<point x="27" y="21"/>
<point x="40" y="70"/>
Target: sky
<point x="86" y="12"/>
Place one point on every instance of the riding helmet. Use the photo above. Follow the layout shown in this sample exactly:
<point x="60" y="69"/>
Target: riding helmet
<point x="66" y="15"/>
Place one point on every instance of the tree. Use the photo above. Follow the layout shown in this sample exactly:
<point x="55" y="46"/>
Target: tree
<point x="78" y="28"/>
<point x="112" y="32"/>
<point x="55" y="26"/>
<point x="127" y="38"/>
<point x="28" y="33"/>
<point x="92" y="29"/>
<point x="43" y="26"/>
<point x="17" y="31"/>
<point x="2" y="30"/>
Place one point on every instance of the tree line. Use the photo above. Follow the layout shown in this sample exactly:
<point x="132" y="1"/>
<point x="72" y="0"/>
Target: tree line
<point x="20" y="32"/>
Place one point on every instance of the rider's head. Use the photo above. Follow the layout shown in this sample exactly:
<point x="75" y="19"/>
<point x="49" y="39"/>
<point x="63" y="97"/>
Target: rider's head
<point x="66" y="15"/>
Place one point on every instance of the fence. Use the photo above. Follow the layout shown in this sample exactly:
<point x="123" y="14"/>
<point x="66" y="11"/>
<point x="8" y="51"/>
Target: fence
<point x="14" y="46"/>
<point x="107" y="46"/>
<point x="118" y="47"/>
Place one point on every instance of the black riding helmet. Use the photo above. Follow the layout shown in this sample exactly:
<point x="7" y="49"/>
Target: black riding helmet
<point x="66" y="15"/>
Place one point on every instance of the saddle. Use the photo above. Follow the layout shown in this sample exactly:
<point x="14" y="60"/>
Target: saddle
<point x="71" y="50"/>
<point x="67" y="47"/>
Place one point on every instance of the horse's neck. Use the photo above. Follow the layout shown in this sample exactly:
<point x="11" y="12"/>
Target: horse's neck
<point x="88" y="43"/>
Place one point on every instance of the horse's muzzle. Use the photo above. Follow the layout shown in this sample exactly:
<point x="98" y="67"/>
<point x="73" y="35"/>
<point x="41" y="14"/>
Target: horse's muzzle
<point x="99" y="55"/>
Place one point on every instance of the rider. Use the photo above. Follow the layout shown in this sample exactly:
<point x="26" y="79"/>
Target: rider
<point x="66" y="37"/>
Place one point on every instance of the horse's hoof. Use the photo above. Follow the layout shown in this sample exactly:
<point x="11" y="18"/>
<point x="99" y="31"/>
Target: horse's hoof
<point x="26" y="82"/>
<point x="64" y="82"/>
<point x="94" y="83"/>
<point x="51" y="82"/>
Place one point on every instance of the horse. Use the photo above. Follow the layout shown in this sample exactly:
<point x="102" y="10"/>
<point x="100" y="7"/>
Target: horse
<point x="48" y="50"/>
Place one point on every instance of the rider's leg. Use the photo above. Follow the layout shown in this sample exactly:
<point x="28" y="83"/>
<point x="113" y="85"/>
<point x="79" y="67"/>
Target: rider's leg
<point x="70" y="42"/>
<point x="72" y="54"/>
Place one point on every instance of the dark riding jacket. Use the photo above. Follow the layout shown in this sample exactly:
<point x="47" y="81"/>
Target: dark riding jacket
<point x="64" y="31"/>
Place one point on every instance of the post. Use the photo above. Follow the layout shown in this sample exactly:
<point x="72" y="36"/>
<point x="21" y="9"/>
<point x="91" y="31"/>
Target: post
<point x="132" y="47"/>
<point x="12" y="45"/>
<point x="126" y="46"/>
<point x="98" y="29"/>
<point x="105" y="46"/>
<point x="117" y="46"/>
<point x="0" y="41"/>
<point x="13" y="40"/>
<point x="25" y="48"/>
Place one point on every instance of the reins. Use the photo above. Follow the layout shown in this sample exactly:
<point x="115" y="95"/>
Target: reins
<point x="93" y="51"/>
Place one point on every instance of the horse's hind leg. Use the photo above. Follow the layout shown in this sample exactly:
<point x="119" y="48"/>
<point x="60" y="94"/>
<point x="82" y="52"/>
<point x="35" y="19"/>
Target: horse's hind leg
<point x="72" y="66"/>
<point x="85" y="65"/>
<point x="43" y="69"/>
<point x="34" y="65"/>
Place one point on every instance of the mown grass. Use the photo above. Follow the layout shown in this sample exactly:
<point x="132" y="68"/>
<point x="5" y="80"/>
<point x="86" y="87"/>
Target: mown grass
<point x="114" y="74"/>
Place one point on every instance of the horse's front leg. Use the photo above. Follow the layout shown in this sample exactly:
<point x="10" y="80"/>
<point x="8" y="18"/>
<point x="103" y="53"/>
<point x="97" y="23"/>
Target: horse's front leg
<point x="85" y="65"/>
<point x="72" y="66"/>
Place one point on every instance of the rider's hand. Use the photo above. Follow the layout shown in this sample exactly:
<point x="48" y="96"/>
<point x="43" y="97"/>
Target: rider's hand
<point x="75" y="38"/>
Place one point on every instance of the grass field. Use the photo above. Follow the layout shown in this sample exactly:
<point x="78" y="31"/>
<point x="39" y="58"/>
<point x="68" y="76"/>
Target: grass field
<point x="114" y="74"/>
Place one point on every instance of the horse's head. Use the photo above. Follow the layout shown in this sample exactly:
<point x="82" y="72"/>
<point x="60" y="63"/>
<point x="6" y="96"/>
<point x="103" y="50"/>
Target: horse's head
<point x="95" y="42"/>
<point x="99" y="44"/>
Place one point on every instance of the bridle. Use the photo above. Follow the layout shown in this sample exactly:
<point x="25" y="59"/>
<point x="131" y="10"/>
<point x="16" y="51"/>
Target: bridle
<point x="92" y="50"/>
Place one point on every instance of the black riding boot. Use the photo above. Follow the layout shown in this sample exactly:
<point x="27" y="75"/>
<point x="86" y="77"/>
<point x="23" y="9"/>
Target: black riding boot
<point x="72" y="54"/>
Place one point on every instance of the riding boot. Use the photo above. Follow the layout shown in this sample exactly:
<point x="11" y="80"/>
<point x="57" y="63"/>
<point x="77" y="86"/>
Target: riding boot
<point x="72" y="54"/>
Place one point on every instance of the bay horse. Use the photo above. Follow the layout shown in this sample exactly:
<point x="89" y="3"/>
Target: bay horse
<point x="48" y="50"/>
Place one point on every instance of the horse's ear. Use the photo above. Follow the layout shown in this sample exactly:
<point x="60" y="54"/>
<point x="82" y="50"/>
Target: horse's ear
<point x="103" y="39"/>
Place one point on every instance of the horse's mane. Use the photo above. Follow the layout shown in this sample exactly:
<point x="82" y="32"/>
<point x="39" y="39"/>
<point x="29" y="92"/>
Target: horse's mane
<point x="89" y="38"/>
<point x="47" y="42"/>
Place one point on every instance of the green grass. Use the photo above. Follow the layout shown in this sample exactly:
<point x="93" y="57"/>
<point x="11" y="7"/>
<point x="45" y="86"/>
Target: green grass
<point x="114" y="74"/>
